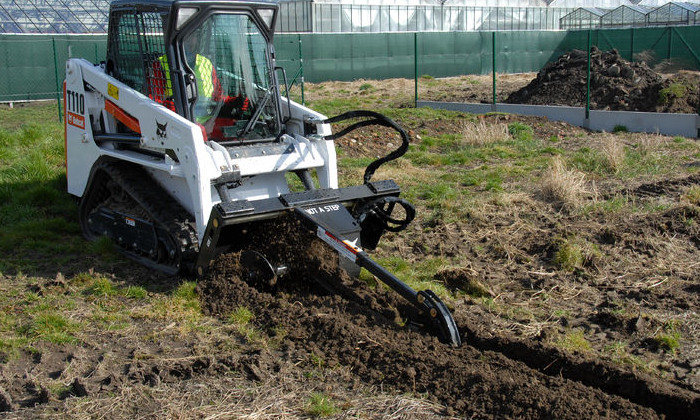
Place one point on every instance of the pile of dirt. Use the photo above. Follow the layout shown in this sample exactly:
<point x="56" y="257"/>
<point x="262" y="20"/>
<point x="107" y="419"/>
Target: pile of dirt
<point x="680" y="93"/>
<point x="615" y="84"/>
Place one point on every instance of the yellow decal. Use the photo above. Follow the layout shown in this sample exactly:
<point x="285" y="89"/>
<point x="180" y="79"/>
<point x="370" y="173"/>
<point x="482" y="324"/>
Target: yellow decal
<point x="113" y="91"/>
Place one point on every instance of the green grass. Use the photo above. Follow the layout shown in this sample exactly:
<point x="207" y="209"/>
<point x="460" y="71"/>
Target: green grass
<point x="186" y="296"/>
<point x="669" y="340"/>
<point x="521" y="131"/>
<point x="590" y="160"/>
<point x="642" y="161"/>
<point x="14" y="118"/>
<point x="38" y="220"/>
<point x="692" y="196"/>
<point x="241" y="318"/>
<point x="568" y="256"/>
<point x="418" y="275"/>
<point x="332" y="107"/>
<point x="674" y="90"/>
<point x="53" y="327"/>
<point x="321" y="405"/>
<point x="574" y="341"/>
<point x="449" y="149"/>
<point x="620" y="353"/>
<point x="35" y="311"/>
<point x="102" y="287"/>
<point x="488" y="179"/>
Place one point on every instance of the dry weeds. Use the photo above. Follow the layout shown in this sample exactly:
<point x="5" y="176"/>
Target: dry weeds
<point x="614" y="151"/>
<point x="234" y="397"/>
<point x="481" y="134"/>
<point x="565" y="188"/>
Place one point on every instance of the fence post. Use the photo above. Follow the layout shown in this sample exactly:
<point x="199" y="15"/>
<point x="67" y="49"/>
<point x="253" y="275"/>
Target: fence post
<point x="493" y="66"/>
<point x="588" y="80"/>
<point x="58" y="89"/>
<point x="632" y="44"/>
<point x="301" y="70"/>
<point x="415" y="67"/>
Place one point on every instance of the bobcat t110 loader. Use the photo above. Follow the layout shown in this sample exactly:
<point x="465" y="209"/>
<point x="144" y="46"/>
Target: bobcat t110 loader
<point x="180" y="142"/>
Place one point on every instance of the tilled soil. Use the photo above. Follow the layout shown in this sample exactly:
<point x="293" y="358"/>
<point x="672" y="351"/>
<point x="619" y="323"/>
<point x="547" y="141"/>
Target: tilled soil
<point x="490" y="376"/>
<point x="470" y="381"/>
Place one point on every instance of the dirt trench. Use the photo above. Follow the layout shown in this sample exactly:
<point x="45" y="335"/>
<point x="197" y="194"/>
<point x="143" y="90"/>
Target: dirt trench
<point x="487" y="377"/>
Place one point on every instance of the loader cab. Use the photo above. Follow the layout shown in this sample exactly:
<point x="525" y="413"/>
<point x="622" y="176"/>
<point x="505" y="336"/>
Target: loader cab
<point x="211" y="62"/>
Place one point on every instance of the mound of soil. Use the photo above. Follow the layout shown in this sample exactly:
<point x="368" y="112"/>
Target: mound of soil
<point x="615" y="84"/>
<point x="680" y="93"/>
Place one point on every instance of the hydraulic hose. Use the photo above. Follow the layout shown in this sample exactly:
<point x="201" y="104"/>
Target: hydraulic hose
<point x="375" y="118"/>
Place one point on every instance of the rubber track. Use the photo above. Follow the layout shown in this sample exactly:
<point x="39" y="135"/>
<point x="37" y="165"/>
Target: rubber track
<point x="163" y="210"/>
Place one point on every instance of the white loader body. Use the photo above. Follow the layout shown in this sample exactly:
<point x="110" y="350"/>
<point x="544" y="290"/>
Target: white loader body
<point x="198" y="163"/>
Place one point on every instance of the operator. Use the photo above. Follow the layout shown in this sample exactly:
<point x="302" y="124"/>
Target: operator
<point x="213" y="110"/>
<point x="208" y="86"/>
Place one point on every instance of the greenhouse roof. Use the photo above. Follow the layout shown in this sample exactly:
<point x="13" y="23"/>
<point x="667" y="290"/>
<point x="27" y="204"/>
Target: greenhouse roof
<point x="53" y="16"/>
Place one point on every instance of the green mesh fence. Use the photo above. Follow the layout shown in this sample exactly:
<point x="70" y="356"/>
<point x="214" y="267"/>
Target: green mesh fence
<point x="33" y="66"/>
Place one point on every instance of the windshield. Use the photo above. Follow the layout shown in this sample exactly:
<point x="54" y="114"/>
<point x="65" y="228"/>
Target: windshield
<point x="228" y="56"/>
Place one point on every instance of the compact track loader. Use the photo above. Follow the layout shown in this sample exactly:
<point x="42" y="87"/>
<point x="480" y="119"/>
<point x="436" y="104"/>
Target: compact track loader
<point x="180" y="143"/>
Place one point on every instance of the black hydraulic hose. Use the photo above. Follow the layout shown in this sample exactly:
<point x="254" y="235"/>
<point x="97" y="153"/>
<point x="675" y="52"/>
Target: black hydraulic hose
<point x="376" y="119"/>
<point x="389" y="223"/>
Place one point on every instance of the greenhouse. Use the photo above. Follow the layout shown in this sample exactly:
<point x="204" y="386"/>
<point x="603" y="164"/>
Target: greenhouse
<point x="348" y="16"/>
<point x="582" y="18"/>
<point x="53" y="16"/>
<point x="314" y="16"/>
<point x="625" y="16"/>
<point x="675" y="14"/>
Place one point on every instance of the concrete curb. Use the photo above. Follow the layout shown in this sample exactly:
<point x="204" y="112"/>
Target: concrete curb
<point x="686" y="125"/>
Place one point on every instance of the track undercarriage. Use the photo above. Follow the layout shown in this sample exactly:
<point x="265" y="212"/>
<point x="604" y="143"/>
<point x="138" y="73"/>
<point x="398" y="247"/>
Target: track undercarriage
<point x="126" y="205"/>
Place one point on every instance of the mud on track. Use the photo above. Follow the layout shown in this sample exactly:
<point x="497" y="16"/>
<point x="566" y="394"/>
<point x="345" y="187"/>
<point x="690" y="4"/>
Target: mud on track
<point x="485" y="378"/>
